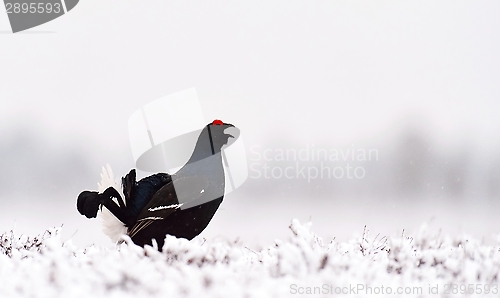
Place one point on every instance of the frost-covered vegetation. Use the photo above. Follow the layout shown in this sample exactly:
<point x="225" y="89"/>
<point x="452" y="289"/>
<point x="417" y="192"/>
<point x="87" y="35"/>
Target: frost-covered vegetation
<point x="426" y="264"/>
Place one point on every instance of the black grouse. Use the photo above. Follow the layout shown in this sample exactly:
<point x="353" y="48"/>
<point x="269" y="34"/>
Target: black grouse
<point x="181" y="204"/>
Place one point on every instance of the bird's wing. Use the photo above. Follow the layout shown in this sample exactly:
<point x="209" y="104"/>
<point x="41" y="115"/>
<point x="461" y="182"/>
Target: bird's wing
<point x="129" y="185"/>
<point x="169" y="199"/>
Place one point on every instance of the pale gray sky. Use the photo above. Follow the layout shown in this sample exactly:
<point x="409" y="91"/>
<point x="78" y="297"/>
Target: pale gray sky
<point x="291" y="72"/>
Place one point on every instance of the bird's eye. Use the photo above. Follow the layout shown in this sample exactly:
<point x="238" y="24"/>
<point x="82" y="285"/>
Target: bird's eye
<point x="217" y="122"/>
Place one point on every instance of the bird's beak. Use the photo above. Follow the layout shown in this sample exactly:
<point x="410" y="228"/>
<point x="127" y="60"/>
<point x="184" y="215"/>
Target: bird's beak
<point x="232" y="131"/>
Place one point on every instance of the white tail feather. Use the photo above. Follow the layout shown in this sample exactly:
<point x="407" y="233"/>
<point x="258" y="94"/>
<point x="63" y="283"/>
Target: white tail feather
<point x="111" y="226"/>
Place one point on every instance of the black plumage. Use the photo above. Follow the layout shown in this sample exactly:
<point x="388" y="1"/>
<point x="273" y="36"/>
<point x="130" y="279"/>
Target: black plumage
<point x="181" y="204"/>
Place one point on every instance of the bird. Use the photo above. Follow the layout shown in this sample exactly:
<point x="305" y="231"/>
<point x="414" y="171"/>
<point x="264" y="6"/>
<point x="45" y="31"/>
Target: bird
<point x="181" y="204"/>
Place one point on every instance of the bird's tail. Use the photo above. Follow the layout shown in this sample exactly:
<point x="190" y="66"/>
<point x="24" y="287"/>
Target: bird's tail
<point x="111" y="226"/>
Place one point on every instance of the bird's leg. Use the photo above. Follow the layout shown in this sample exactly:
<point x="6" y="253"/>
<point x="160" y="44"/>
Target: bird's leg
<point x="107" y="201"/>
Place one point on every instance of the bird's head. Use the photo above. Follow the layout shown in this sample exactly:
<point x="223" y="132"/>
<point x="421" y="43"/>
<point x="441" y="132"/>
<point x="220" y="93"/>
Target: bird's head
<point x="222" y="134"/>
<point x="212" y="138"/>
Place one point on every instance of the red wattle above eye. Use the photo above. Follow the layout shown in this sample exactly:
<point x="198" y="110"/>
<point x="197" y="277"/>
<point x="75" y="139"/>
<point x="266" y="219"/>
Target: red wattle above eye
<point x="217" y="122"/>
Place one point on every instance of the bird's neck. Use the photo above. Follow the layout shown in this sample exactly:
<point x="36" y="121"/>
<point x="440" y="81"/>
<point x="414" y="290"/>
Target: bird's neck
<point x="205" y="164"/>
<point x="204" y="147"/>
<point x="206" y="158"/>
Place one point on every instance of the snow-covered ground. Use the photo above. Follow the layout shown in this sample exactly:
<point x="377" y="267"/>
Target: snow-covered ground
<point x="420" y="265"/>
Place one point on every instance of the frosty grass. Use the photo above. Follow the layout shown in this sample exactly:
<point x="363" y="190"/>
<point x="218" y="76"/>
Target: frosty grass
<point x="425" y="265"/>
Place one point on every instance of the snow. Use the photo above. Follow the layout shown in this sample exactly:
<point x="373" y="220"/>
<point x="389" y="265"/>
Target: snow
<point x="46" y="266"/>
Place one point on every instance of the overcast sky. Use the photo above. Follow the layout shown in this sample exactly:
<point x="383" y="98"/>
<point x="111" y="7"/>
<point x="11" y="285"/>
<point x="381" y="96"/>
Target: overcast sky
<point x="331" y="73"/>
